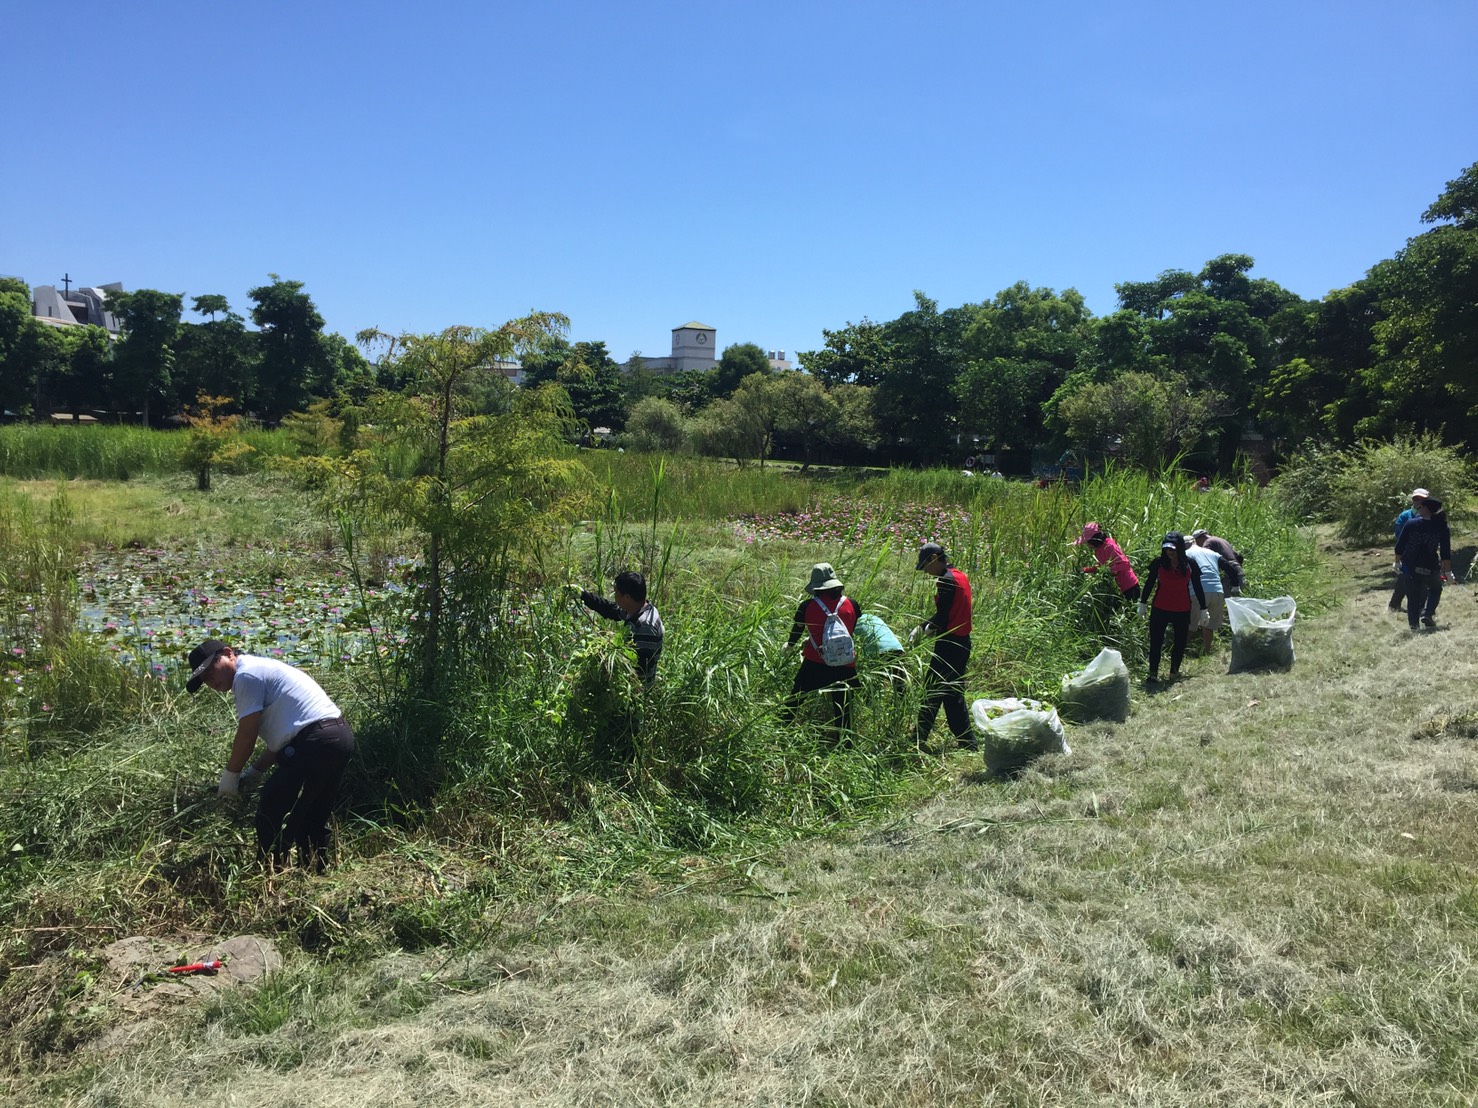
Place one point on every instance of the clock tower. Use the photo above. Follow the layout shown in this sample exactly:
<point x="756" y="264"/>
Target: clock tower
<point x="693" y="346"/>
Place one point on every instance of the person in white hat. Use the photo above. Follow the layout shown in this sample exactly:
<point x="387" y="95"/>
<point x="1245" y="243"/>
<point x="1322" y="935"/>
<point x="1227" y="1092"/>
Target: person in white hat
<point x="1399" y="593"/>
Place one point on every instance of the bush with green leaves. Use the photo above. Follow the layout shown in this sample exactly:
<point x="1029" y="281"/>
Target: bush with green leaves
<point x="1375" y="482"/>
<point x="1304" y="487"/>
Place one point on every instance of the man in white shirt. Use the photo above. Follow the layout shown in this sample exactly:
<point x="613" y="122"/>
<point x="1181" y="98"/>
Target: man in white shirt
<point x="1212" y="567"/>
<point x="305" y="737"/>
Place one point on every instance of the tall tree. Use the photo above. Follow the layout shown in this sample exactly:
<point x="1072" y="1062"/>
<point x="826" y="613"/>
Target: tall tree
<point x="740" y="360"/>
<point x="218" y="357"/>
<point x="294" y="362"/>
<point x="1427" y="344"/>
<point x="143" y="360"/>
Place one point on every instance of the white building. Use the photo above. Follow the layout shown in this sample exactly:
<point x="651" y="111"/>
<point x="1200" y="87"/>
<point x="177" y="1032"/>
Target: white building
<point x="695" y="346"/>
<point x="75" y="307"/>
<point x="692" y="348"/>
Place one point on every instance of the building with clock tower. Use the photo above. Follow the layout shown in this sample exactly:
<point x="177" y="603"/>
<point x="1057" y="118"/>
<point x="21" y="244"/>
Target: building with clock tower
<point x="694" y="346"/>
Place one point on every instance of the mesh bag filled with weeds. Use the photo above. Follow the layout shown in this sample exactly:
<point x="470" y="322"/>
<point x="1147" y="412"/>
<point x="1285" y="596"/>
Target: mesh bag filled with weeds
<point x="1100" y="690"/>
<point x="1262" y="632"/>
<point x="1013" y="731"/>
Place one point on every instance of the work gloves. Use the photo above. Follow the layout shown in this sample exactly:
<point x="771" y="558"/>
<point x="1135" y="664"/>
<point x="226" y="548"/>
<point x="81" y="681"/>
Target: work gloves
<point x="1140" y="609"/>
<point x="231" y="784"/>
<point x="1205" y="620"/>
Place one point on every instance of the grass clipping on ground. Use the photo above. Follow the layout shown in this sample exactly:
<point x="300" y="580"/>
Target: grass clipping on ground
<point x="1257" y="891"/>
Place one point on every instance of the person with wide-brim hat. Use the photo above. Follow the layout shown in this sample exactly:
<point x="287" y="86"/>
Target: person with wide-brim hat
<point x="816" y="621"/>
<point x="1424" y="551"/>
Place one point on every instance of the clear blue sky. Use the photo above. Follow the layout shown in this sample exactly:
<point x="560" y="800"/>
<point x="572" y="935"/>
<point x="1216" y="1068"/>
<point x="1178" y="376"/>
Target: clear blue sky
<point x="768" y="169"/>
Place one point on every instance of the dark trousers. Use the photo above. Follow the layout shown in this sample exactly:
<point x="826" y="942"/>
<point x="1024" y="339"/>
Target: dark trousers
<point x="814" y="676"/>
<point x="1423" y="593"/>
<point x="945" y="685"/>
<point x="1400" y="592"/>
<point x="302" y="791"/>
<point x="1180" y="622"/>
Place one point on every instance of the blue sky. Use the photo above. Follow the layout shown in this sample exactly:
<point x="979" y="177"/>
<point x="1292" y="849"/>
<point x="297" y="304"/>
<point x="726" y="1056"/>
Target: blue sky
<point x="769" y="169"/>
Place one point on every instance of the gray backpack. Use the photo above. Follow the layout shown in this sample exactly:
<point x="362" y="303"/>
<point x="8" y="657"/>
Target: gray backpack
<point x="836" y="646"/>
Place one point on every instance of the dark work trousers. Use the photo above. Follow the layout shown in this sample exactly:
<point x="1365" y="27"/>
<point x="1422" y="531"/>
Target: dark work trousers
<point x="1423" y="592"/>
<point x="1131" y="595"/>
<point x="945" y="685"/>
<point x="302" y="791"/>
<point x="813" y="676"/>
<point x="1180" y="623"/>
<point x="1400" y="592"/>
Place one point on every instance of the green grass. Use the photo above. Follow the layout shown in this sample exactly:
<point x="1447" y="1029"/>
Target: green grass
<point x="1163" y="914"/>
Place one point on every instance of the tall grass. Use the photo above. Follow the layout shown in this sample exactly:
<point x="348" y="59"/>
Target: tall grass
<point x="111" y="452"/>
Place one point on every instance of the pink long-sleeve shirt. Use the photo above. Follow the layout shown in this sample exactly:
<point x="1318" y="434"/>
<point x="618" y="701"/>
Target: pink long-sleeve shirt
<point x="1108" y="553"/>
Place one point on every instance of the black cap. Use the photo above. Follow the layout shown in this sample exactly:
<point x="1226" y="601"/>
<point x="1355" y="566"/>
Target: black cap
<point x="1433" y="504"/>
<point x="200" y="659"/>
<point x="928" y="552"/>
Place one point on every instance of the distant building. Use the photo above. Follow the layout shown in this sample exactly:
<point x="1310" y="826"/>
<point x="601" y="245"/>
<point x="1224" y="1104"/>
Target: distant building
<point x="695" y="346"/>
<point x="71" y="307"/>
<point x="692" y="348"/>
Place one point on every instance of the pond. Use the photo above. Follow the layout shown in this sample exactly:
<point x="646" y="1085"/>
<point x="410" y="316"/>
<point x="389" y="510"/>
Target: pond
<point x="152" y="605"/>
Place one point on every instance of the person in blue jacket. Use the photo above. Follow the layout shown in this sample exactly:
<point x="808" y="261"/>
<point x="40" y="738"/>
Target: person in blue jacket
<point x="1399" y="522"/>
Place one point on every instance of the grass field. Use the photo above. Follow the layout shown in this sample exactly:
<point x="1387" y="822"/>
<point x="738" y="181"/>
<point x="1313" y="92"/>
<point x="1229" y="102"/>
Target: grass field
<point x="1258" y="891"/>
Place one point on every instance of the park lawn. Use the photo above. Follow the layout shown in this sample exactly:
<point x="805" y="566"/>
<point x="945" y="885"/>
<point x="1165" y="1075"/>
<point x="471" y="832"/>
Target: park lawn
<point x="1260" y="890"/>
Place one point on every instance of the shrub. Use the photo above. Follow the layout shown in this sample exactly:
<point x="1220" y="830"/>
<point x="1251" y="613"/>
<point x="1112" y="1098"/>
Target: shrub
<point x="1375" y="483"/>
<point x="1304" y="487"/>
<point x="655" y="425"/>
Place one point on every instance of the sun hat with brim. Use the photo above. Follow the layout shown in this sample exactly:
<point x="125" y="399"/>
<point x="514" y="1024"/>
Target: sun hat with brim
<point x="1091" y="531"/>
<point x="928" y="552"/>
<point x="1432" y="503"/>
<point x="201" y="659"/>
<point x="1420" y="494"/>
<point x="823" y="577"/>
<point x="1199" y="531"/>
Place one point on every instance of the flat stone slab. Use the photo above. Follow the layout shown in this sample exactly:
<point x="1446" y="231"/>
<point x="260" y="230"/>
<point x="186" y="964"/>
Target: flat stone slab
<point x="138" y="967"/>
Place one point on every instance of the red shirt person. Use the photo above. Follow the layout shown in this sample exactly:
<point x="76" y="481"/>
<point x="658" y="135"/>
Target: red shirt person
<point x="826" y="599"/>
<point x="950" y="625"/>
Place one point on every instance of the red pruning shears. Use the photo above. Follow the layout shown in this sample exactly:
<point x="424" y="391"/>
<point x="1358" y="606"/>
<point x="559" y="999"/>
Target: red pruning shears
<point x="210" y="966"/>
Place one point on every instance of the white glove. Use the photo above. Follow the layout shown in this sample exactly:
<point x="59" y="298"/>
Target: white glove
<point x="1140" y="609"/>
<point x="230" y="783"/>
<point x="1205" y="620"/>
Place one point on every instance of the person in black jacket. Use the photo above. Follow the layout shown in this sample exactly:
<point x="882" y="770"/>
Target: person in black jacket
<point x="632" y="608"/>
<point x="1424" y="558"/>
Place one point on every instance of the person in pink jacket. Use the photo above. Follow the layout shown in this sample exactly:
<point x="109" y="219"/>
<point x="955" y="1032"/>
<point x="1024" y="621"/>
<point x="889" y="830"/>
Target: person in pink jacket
<point x="1107" y="552"/>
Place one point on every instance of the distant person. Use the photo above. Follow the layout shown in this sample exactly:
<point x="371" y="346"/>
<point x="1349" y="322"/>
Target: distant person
<point x="1213" y="611"/>
<point x="825" y="664"/>
<point x="1106" y="552"/>
<point x="631" y="607"/>
<point x="306" y="739"/>
<point x="1168" y="586"/>
<point x="1203" y="484"/>
<point x="950" y="626"/>
<point x="1231" y="559"/>
<point x="1399" y="594"/>
<point x="1424" y="553"/>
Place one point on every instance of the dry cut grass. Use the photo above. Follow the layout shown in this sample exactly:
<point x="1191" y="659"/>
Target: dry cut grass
<point x="1258" y="891"/>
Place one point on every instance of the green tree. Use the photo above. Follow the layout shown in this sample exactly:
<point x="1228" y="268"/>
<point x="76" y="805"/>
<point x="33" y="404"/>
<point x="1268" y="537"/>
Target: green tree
<point x="144" y="358"/>
<point x="480" y="490"/>
<point x="727" y="429"/>
<point x="912" y="400"/>
<point x="218" y="357"/>
<point x="656" y="425"/>
<point x="739" y="361"/>
<point x="1136" y="417"/>
<point x="294" y="361"/>
<point x="855" y="354"/>
<point x="1426" y="348"/>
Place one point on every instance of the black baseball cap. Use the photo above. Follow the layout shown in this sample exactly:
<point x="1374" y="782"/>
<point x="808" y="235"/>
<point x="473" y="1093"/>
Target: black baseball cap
<point x="200" y="660"/>
<point x="928" y="552"/>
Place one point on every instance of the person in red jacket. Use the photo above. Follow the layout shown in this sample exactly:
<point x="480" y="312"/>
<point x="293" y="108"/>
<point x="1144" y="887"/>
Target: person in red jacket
<point x="1167" y="590"/>
<point x="814" y="675"/>
<point x="950" y="626"/>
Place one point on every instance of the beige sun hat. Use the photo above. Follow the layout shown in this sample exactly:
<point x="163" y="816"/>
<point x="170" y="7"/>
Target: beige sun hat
<point x="822" y="577"/>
